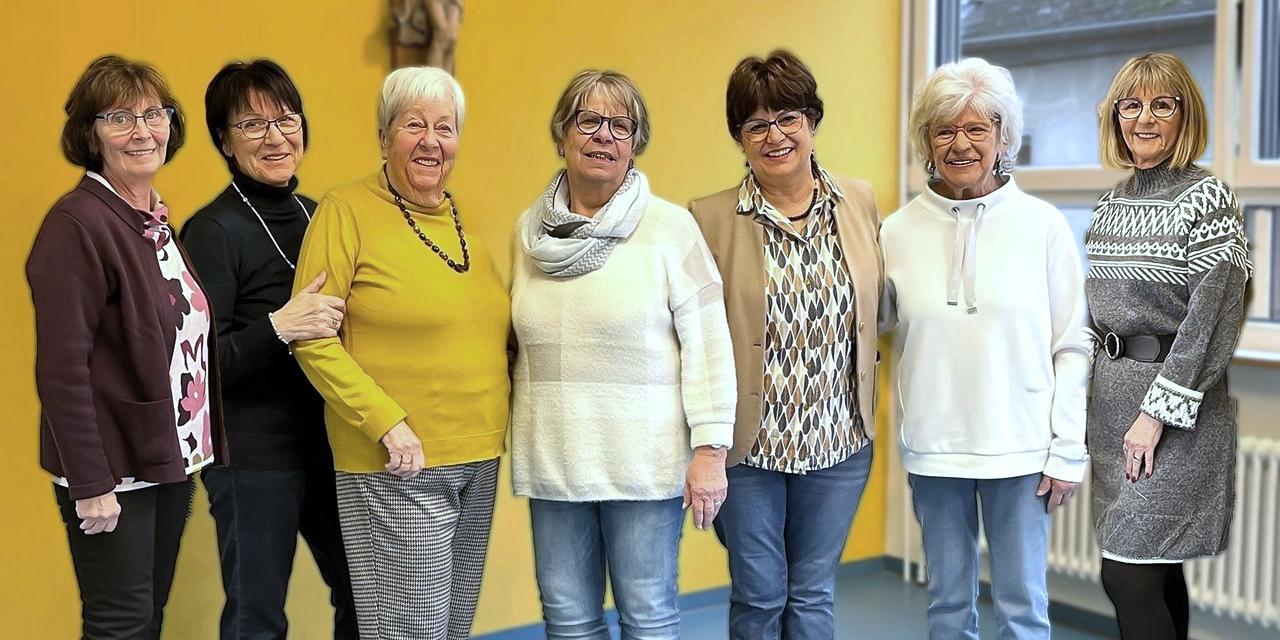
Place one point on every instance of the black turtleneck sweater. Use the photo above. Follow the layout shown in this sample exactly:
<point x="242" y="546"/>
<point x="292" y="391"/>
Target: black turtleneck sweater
<point x="274" y="418"/>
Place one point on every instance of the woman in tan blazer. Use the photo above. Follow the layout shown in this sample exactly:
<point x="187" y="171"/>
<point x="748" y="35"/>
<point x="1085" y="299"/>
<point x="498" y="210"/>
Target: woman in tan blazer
<point x="799" y="252"/>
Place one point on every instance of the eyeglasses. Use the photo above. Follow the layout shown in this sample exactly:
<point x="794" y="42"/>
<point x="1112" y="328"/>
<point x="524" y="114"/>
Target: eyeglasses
<point x="589" y="122"/>
<point x="156" y="119"/>
<point x="974" y="131"/>
<point x="787" y="122"/>
<point x="1161" y="107"/>
<point x="255" y="128"/>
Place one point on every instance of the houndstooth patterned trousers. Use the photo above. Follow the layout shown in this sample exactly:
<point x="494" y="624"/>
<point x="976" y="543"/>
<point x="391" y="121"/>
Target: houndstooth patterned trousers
<point x="416" y="548"/>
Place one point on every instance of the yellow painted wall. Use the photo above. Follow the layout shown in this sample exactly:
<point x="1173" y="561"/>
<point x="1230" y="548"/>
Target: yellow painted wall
<point x="514" y="59"/>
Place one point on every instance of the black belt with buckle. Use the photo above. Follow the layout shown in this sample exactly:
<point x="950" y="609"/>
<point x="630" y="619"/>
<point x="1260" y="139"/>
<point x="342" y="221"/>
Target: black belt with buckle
<point x="1139" y="348"/>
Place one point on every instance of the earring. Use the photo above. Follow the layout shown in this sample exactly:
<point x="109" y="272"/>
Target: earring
<point x="560" y="151"/>
<point x="931" y="168"/>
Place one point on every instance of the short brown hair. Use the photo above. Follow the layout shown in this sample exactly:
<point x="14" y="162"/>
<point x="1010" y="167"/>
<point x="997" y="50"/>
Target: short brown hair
<point x="108" y="82"/>
<point x="1154" y="72"/>
<point x="615" y="86"/>
<point x="778" y="82"/>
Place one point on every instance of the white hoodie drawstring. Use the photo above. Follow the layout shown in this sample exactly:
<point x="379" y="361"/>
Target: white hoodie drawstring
<point x="964" y="260"/>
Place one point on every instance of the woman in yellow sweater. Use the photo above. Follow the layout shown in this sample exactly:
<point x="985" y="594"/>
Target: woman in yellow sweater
<point x="415" y="384"/>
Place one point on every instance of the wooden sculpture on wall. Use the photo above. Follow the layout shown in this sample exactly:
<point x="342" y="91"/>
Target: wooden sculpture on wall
<point x="425" y="32"/>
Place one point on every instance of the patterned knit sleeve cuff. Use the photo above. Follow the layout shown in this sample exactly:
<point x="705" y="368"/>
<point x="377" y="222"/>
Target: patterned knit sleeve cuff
<point x="1172" y="404"/>
<point x="1092" y="342"/>
<point x="711" y="434"/>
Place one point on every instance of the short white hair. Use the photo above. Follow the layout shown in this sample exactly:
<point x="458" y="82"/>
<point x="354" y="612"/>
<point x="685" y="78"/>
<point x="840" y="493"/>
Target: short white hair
<point x="955" y="86"/>
<point x="405" y="86"/>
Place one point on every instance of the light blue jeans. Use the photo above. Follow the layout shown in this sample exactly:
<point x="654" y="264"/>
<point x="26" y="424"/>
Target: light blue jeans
<point x="1017" y="527"/>
<point x="638" y="543"/>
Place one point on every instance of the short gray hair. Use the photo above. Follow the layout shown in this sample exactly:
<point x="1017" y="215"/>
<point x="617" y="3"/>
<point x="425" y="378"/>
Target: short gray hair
<point x="972" y="82"/>
<point x="613" y="85"/>
<point x="404" y="86"/>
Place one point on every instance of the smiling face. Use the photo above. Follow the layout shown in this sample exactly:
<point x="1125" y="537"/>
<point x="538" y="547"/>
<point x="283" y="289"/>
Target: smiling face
<point x="779" y="157"/>
<point x="273" y="159"/>
<point x="420" y="145"/>
<point x="965" y="150"/>
<point x="1150" y="139"/>
<point x="133" y="156"/>
<point x="597" y="158"/>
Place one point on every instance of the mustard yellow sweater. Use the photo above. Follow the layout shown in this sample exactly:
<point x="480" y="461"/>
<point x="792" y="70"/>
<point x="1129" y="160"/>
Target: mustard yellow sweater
<point x="420" y="342"/>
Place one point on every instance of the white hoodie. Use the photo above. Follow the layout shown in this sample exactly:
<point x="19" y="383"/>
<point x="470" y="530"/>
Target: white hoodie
<point x="988" y="299"/>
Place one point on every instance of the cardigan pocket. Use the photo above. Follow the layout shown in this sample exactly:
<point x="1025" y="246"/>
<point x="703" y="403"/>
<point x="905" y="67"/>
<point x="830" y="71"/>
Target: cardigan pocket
<point x="148" y="430"/>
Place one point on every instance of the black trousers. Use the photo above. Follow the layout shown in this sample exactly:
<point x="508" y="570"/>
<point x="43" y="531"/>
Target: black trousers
<point x="1150" y="599"/>
<point x="125" y="576"/>
<point x="259" y="515"/>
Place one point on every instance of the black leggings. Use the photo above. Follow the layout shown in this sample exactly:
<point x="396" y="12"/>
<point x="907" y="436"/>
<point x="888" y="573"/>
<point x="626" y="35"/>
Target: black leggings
<point x="1150" y="599"/>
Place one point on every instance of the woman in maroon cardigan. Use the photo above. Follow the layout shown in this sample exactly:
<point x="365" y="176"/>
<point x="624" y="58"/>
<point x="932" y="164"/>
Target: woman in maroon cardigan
<point x="126" y="365"/>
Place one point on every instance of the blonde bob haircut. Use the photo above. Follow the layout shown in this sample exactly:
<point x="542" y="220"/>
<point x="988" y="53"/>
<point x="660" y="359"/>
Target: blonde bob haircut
<point x="955" y="86"/>
<point x="407" y="85"/>
<point x="612" y="86"/>
<point x="1158" y="73"/>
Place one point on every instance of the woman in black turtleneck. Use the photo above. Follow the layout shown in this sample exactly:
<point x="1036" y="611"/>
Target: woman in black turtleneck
<point x="244" y="246"/>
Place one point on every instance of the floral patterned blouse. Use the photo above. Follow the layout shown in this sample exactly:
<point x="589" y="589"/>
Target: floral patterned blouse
<point x="189" y="365"/>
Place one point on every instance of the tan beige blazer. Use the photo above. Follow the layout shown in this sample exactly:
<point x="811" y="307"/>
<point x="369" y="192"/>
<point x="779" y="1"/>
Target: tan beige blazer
<point x="737" y="243"/>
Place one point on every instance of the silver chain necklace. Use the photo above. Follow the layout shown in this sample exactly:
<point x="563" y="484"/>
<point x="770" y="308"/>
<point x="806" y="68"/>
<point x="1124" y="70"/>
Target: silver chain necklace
<point x="268" y="229"/>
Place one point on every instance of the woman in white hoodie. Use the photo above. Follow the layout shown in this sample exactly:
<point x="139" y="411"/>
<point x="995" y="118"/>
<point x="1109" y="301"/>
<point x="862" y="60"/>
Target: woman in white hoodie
<point x="984" y="285"/>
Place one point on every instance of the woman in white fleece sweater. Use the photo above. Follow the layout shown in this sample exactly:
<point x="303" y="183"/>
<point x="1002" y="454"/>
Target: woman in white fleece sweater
<point x="624" y="391"/>
<point x="984" y="285"/>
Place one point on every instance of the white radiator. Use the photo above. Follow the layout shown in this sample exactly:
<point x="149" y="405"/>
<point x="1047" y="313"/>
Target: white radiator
<point x="1243" y="583"/>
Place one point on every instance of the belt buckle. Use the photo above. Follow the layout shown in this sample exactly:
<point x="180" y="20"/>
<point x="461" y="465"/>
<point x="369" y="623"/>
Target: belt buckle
<point x="1113" y="345"/>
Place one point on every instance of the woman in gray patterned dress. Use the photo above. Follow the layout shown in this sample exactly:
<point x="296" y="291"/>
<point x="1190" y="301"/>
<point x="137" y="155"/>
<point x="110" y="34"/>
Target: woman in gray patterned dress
<point x="1165" y="287"/>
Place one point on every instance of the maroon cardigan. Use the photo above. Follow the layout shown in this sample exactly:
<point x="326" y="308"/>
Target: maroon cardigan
<point x="104" y="338"/>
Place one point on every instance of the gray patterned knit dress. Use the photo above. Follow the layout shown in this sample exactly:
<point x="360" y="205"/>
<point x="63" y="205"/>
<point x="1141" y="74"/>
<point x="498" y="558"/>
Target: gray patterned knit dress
<point x="1167" y="256"/>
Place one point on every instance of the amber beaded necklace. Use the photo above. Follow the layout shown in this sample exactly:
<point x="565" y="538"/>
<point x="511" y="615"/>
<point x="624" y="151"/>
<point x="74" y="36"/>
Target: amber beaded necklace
<point x="457" y="224"/>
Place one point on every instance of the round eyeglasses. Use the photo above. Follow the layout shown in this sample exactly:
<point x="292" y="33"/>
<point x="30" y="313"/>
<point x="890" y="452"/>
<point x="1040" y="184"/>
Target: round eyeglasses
<point x="589" y="122"/>
<point x="156" y="119"/>
<point x="787" y="122"/>
<point x="1161" y="107"/>
<point x="974" y="131"/>
<point x="256" y="128"/>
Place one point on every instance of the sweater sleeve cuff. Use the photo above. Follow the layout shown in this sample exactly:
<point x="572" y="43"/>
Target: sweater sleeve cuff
<point x="1066" y="469"/>
<point x="381" y="419"/>
<point x="91" y="489"/>
<point x="1172" y="403"/>
<point x="711" y="434"/>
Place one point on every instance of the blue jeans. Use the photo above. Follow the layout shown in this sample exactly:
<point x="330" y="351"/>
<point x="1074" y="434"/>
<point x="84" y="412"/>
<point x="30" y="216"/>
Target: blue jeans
<point x="1017" y="526"/>
<point x="785" y="533"/>
<point x="638" y="542"/>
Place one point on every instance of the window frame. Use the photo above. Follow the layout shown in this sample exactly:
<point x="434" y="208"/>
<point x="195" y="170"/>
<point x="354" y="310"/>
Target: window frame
<point x="1251" y="170"/>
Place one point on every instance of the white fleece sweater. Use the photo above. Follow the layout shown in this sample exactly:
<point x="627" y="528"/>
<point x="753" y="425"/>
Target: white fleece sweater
<point x="623" y="370"/>
<point x="988" y="299"/>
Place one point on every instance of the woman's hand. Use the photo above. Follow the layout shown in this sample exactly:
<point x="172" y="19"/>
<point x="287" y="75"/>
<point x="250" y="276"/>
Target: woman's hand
<point x="98" y="515"/>
<point x="705" y="485"/>
<point x="310" y="314"/>
<point x="405" y="452"/>
<point x="1140" y="446"/>
<point x="1059" y="491"/>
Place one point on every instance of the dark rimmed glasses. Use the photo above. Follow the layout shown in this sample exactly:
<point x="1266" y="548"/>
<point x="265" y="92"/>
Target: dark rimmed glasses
<point x="787" y="122"/>
<point x="256" y="128"/>
<point x="589" y="122"/>
<point x="1161" y="107"/>
<point x="156" y="119"/>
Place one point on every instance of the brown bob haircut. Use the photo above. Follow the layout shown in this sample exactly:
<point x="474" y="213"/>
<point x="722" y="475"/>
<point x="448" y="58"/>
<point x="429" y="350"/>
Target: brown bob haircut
<point x="110" y="82"/>
<point x="779" y="82"/>
<point x="1157" y="73"/>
